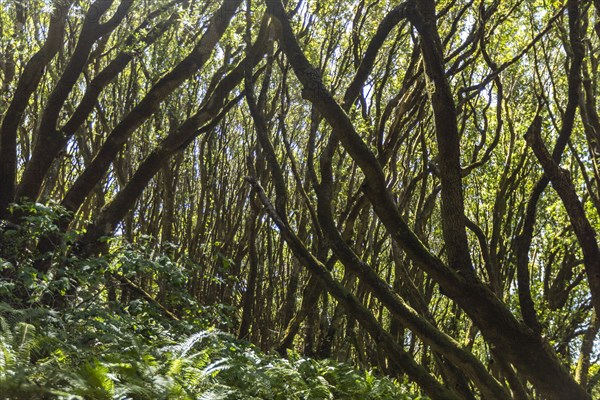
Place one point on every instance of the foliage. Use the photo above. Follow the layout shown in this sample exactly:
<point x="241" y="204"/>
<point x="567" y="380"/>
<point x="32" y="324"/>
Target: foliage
<point x="98" y="355"/>
<point x="92" y="350"/>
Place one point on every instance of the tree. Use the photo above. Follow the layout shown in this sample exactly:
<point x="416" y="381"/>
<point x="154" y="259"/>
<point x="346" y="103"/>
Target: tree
<point x="338" y="168"/>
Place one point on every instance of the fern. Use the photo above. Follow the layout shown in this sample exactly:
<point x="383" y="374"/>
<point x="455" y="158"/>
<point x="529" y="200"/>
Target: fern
<point x="99" y="355"/>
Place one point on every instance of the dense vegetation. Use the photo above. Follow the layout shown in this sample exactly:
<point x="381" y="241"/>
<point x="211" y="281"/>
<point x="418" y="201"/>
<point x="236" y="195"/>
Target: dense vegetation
<point x="92" y="349"/>
<point x="410" y="188"/>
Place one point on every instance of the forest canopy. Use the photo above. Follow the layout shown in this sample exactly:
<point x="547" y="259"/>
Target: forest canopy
<point x="409" y="187"/>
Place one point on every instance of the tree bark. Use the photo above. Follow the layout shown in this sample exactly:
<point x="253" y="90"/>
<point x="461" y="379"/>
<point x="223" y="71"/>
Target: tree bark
<point x="28" y="82"/>
<point x="50" y="140"/>
<point x="522" y="347"/>
<point x="149" y="105"/>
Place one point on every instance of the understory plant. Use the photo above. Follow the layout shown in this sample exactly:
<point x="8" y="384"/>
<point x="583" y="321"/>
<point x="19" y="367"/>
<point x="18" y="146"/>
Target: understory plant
<point x="62" y="337"/>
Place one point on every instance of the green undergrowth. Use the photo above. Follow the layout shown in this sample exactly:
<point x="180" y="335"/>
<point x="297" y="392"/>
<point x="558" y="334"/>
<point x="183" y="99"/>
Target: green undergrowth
<point x="92" y="354"/>
<point x="63" y="337"/>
